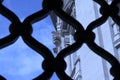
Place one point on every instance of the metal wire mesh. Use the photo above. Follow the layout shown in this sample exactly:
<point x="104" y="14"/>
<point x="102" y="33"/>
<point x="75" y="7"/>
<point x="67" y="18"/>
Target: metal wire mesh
<point x="51" y="64"/>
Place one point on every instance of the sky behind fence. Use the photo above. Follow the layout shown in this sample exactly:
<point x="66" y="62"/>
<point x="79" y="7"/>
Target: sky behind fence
<point x="18" y="61"/>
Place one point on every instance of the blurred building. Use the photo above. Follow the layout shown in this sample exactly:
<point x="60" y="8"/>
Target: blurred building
<point x="84" y="64"/>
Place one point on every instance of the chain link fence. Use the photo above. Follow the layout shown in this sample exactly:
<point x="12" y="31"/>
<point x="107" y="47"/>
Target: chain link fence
<point x="50" y="63"/>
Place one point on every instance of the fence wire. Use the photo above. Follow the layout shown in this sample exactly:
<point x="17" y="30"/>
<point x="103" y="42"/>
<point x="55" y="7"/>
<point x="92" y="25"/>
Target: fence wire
<point x="53" y="64"/>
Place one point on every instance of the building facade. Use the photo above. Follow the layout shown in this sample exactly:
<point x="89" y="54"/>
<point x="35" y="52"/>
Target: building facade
<point x="84" y="64"/>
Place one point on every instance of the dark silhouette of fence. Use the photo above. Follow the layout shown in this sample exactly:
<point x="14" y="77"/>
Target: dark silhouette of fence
<point x="51" y="64"/>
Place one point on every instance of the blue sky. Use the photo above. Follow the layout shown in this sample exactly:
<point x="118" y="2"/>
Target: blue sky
<point x="18" y="61"/>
